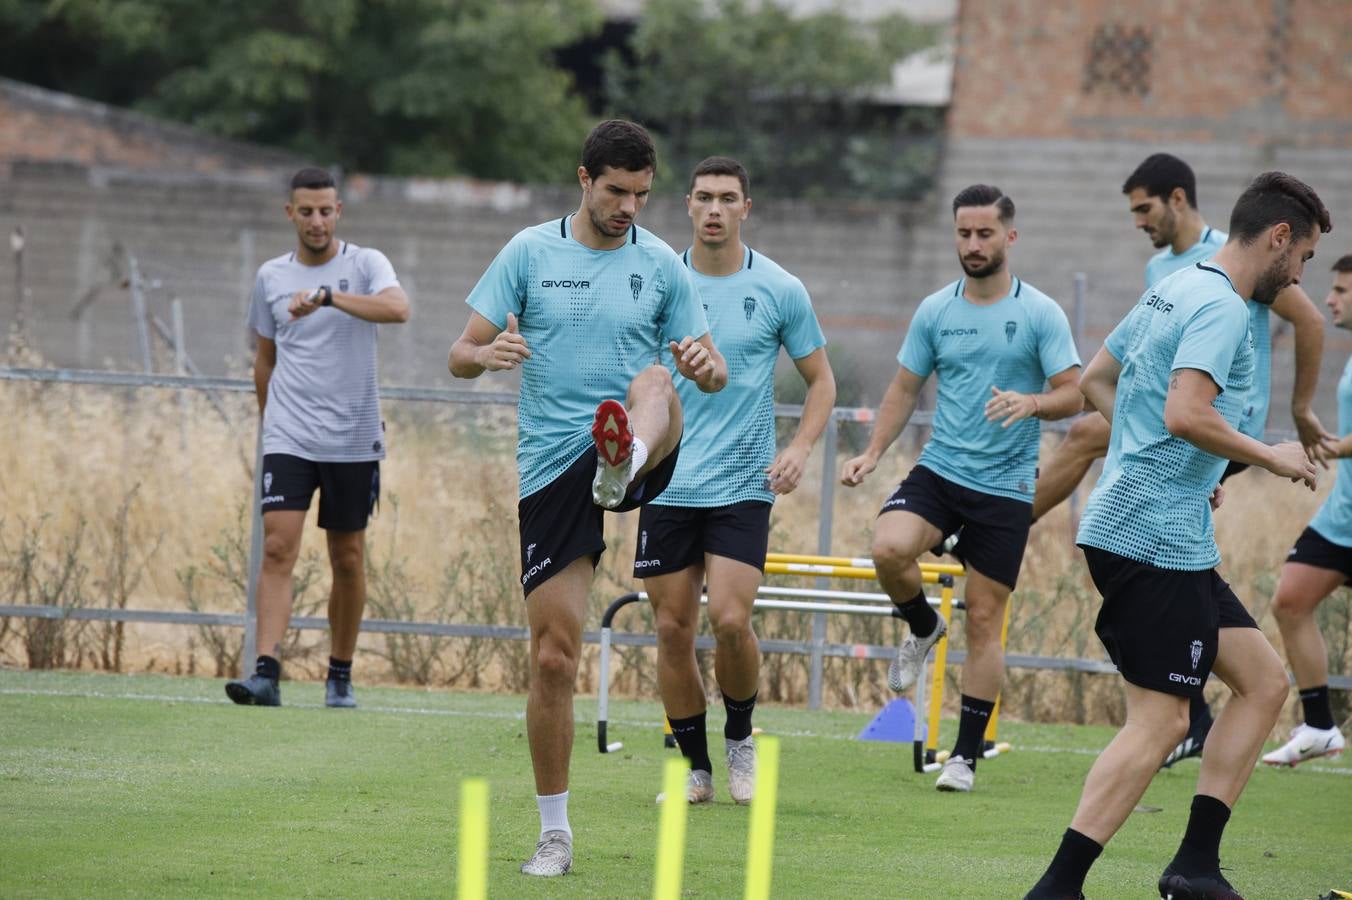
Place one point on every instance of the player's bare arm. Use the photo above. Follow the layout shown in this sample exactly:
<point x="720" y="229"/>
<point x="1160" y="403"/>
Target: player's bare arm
<point x="699" y="360"/>
<point x="787" y="469"/>
<point x="1307" y="323"/>
<point x="1190" y="415"/>
<point x="265" y="360"/>
<point x="893" y="414"/>
<point x="482" y="347"/>
<point x="1064" y="399"/>
<point x="390" y="306"/>
<point x="1098" y="384"/>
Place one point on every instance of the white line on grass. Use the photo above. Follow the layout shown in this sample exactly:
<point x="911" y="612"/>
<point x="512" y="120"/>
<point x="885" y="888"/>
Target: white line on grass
<point x="519" y="716"/>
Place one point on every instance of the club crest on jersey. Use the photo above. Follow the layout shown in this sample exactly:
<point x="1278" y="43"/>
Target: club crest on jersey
<point x="1196" y="654"/>
<point x="749" y="307"/>
<point x="342" y="284"/>
<point x="1010" y="328"/>
<point x="635" y="285"/>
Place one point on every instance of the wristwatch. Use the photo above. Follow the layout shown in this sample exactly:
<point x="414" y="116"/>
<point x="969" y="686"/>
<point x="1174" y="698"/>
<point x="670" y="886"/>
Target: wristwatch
<point x="328" y="295"/>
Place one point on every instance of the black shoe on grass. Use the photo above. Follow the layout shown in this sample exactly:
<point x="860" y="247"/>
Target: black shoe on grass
<point x="1174" y="886"/>
<point x="254" y="691"/>
<point x="339" y="694"/>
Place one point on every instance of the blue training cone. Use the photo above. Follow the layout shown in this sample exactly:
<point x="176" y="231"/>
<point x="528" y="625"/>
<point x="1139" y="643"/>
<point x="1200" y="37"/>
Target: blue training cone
<point x="894" y="722"/>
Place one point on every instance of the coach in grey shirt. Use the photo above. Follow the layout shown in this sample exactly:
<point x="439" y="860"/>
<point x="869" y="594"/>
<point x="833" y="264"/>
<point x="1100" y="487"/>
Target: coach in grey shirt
<point x="315" y="312"/>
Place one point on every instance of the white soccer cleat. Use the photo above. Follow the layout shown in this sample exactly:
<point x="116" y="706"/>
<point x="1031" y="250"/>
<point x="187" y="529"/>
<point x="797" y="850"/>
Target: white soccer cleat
<point x="1306" y="744"/>
<point x="614" y="441"/>
<point x="699" y="788"/>
<point x="905" y="669"/>
<point x="553" y="855"/>
<point x="741" y="768"/>
<point x="957" y="776"/>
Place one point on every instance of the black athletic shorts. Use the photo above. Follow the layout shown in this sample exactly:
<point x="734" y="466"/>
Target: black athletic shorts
<point x="672" y="538"/>
<point x="1161" y="626"/>
<point x="994" y="529"/>
<point x="1233" y="468"/>
<point x="560" y="523"/>
<point x="348" y="491"/>
<point x="1313" y="549"/>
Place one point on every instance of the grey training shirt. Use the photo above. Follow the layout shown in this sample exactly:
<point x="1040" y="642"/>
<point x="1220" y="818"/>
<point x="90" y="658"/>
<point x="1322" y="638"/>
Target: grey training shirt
<point x="323" y="402"/>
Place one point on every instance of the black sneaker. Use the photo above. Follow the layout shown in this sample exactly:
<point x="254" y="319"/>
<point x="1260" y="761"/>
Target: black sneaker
<point x="1174" y="886"/>
<point x="339" y="694"/>
<point x="254" y="691"/>
<point x="1190" y="745"/>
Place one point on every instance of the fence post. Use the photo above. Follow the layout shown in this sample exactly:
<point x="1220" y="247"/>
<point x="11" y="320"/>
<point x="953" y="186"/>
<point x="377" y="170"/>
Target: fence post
<point x="138" y="313"/>
<point x="16" y="243"/>
<point x="830" y="441"/>
<point x="247" y="270"/>
<point x="255" y="560"/>
<point x="1081" y="285"/>
<point x="180" y="368"/>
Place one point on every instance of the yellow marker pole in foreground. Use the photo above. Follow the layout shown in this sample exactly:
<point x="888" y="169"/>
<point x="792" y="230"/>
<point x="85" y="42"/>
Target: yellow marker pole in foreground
<point x="472" y="880"/>
<point x="671" y="831"/>
<point x="761" y="843"/>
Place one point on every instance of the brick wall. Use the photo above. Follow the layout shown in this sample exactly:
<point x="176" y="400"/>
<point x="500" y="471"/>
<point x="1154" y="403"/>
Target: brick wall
<point x="1248" y="71"/>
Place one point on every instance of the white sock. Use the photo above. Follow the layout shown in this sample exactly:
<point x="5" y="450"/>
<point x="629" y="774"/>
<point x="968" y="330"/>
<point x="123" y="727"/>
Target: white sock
<point x="553" y="813"/>
<point x="639" y="453"/>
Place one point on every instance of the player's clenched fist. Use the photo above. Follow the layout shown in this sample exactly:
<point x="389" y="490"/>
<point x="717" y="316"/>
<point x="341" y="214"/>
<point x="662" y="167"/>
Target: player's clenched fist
<point x="507" y="351"/>
<point x="693" y="359"/>
<point x="857" y="469"/>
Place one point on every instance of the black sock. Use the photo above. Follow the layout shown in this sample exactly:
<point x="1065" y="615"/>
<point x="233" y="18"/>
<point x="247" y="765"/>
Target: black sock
<point x="340" y="670"/>
<point x="1199" y="717"/>
<point x="1200" y="851"/>
<point x="1069" y="866"/>
<point x="693" y="740"/>
<point x="918" y="614"/>
<point x="268" y="667"/>
<point x="1318" y="712"/>
<point x="738" y="726"/>
<point x="972" y="728"/>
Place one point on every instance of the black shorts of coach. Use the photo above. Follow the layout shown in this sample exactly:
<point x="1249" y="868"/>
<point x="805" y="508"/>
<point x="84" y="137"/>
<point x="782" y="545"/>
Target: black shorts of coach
<point x="560" y="522"/>
<point x="994" y="529"/>
<point x="348" y="491"/>
<point x="1313" y="549"/>
<point x="1161" y="627"/>
<point x="672" y="538"/>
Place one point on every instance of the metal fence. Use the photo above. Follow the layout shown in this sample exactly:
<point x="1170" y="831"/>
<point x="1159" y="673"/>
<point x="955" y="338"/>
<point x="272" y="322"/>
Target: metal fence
<point x="817" y="648"/>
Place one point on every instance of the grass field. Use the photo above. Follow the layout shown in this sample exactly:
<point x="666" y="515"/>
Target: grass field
<point x="154" y="786"/>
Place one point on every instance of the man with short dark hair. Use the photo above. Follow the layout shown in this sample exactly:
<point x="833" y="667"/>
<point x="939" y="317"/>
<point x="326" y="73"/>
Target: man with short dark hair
<point x="582" y="305"/>
<point x="1173" y="378"/>
<point x="315" y="312"/>
<point x="1319" y="564"/>
<point x="712" y="524"/>
<point x="1162" y="195"/>
<point x="994" y="342"/>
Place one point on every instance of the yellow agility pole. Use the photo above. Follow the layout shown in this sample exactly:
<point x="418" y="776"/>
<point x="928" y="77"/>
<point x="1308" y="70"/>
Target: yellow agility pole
<point x="936" y="699"/>
<point x="671" y="831"/>
<point x="472" y="872"/>
<point x="994" y="722"/>
<point x="779" y="568"/>
<point x="761" y="840"/>
<point x="858" y="562"/>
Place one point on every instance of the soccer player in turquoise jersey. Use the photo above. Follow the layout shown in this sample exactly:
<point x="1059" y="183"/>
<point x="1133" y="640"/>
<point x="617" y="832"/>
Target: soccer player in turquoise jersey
<point x="315" y="312"/>
<point x="1172" y="378"/>
<point x="1319" y="564"/>
<point x="1162" y="196"/>
<point x="583" y="304"/>
<point x="993" y="341"/>
<point x="712" y="523"/>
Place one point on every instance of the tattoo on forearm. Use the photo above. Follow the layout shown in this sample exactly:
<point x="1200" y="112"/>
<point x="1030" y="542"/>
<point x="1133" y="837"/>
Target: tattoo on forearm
<point x="1173" y="380"/>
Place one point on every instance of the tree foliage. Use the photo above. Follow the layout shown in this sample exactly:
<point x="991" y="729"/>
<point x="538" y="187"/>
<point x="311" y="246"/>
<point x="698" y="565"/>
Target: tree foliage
<point x="787" y="95"/>
<point x="402" y="86"/>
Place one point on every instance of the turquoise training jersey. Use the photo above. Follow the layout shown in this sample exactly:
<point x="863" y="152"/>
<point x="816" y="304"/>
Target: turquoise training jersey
<point x="1334" y="519"/>
<point x="1015" y="344"/>
<point x="593" y="319"/>
<point x="1152" y="502"/>
<point x="730" y="436"/>
<point x="1253" y="417"/>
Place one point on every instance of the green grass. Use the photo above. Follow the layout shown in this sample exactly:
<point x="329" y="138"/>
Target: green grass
<point x="156" y="786"/>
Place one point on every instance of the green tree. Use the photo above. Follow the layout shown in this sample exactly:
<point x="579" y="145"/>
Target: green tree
<point x="429" y="87"/>
<point x="787" y="95"/>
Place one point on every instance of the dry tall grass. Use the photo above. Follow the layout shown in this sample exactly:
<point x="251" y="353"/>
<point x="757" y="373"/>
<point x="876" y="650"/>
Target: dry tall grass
<point x="136" y="498"/>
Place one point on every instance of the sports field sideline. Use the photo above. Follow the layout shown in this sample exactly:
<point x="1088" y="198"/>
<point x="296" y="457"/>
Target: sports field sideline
<point x="157" y="786"/>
